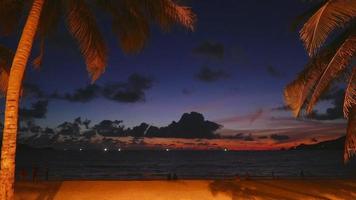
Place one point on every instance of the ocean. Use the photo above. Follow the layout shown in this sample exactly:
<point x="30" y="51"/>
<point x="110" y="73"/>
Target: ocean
<point x="147" y="165"/>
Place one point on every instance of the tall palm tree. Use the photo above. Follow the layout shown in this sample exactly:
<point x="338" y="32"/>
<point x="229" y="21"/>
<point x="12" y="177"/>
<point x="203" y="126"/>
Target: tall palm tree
<point x="332" y="54"/>
<point x="131" y="19"/>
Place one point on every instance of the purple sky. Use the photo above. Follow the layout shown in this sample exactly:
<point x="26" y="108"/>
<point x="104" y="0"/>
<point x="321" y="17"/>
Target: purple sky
<point x="232" y="69"/>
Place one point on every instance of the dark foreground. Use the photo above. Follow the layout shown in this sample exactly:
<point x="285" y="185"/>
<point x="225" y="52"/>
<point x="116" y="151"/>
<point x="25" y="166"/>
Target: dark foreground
<point x="148" y="165"/>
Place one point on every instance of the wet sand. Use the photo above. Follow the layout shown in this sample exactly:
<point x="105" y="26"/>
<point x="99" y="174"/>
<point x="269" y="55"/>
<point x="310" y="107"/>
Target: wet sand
<point x="187" y="190"/>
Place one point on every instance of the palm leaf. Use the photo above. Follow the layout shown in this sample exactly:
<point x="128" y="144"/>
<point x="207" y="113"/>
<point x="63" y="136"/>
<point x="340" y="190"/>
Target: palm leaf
<point x="82" y="25"/>
<point x="167" y="12"/>
<point x="10" y="14"/>
<point x="47" y="25"/>
<point x="6" y="56"/>
<point x="333" y="14"/>
<point x="350" y="93"/>
<point x="52" y="12"/>
<point x="350" y="142"/>
<point x="305" y="15"/>
<point x="292" y="96"/>
<point x="131" y="19"/>
<point x="297" y="92"/>
<point x="335" y="66"/>
<point x="37" y="62"/>
<point x="129" y="23"/>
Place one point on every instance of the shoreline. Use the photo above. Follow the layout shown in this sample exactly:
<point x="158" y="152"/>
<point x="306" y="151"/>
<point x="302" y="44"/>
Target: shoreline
<point x="187" y="189"/>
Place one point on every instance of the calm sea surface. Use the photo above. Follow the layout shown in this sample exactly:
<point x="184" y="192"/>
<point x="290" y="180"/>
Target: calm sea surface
<point x="129" y="165"/>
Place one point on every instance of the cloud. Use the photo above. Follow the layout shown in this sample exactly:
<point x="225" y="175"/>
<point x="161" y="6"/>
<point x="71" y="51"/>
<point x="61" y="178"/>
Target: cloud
<point x="32" y="90"/>
<point x="256" y="115"/>
<point x="187" y="91"/>
<point x="38" y="110"/>
<point x="131" y="91"/>
<point x="249" y="137"/>
<point x="82" y="95"/>
<point x="191" y="125"/>
<point x="207" y="74"/>
<point x="279" y="138"/>
<point x="274" y="72"/>
<point x="239" y="136"/>
<point x="336" y="111"/>
<point x="210" y="49"/>
<point x="250" y="117"/>
<point x="281" y="108"/>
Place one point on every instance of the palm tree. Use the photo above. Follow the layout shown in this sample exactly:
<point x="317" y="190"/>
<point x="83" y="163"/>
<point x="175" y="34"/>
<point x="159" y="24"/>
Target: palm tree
<point x="131" y="19"/>
<point x="331" y="55"/>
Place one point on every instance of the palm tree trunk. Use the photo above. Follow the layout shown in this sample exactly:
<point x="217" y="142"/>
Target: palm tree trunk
<point x="8" y="150"/>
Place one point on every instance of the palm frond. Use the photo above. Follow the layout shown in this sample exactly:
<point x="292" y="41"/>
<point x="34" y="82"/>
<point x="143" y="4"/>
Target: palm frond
<point x="331" y="70"/>
<point x="293" y="96"/>
<point x="350" y="93"/>
<point x="297" y="92"/>
<point x="10" y="14"/>
<point x="48" y="24"/>
<point x="129" y="23"/>
<point x="52" y="14"/>
<point x="333" y="14"/>
<point x="350" y="142"/>
<point x="37" y="62"/>
<point x="305" y="15"/>
<point x="82" y="25"/>
<point x="6" y="56"/>
<point x="131" y="19"/>
<point x="168" y="12"/>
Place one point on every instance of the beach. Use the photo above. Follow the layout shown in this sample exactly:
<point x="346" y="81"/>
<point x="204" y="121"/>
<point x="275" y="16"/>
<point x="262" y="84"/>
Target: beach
<point x="187" y="189"/>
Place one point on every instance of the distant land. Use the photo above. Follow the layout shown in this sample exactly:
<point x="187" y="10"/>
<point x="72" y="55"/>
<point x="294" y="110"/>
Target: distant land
<point x="336" y="144"/>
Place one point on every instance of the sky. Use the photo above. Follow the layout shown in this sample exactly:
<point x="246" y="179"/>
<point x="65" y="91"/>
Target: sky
<point x="232" y="68"/>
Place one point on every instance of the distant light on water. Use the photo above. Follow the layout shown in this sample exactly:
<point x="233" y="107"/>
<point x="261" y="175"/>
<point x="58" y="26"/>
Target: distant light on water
<point x="167" y="149"/>
<point x="118" y="149"/>
<point x="226" y="149"/>
<point x="105" y="149"/>
<point x="80" y="149"/>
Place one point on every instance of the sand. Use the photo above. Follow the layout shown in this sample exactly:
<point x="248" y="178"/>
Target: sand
<point x="187" y="190"/>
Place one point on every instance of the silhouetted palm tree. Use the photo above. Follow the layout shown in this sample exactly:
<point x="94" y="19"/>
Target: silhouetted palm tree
<point x="329" y="62"/>
<point x="131" y="20"/>
<point x="6" y="56"/>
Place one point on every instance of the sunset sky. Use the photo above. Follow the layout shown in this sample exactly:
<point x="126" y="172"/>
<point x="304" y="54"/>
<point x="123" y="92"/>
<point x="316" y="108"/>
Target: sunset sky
<point x="232" y="69"/>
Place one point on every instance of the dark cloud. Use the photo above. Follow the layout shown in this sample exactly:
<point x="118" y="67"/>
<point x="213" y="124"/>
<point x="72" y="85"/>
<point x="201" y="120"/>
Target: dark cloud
<point x="81" y="95"/>
<point x="274" y="72"/>
<point x="131" y="91"/>
<point x="110" y="128"/>
<point x="263" y="137"/>
<point x="314" y="140"/>
<point x="336" y="96"/>
<point x="207" y="74"/>
<point x="241" y="136"/>
<point x="279" y="138"/>
<point x="249" y="137"/>
<point x="191" y="125"/>
<point x="32" y="90"/>
<point x="38" y="110"/>
<point x="187" y="91"/>
<point x="280" y="108"/>
<point x="210" y="49"/>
